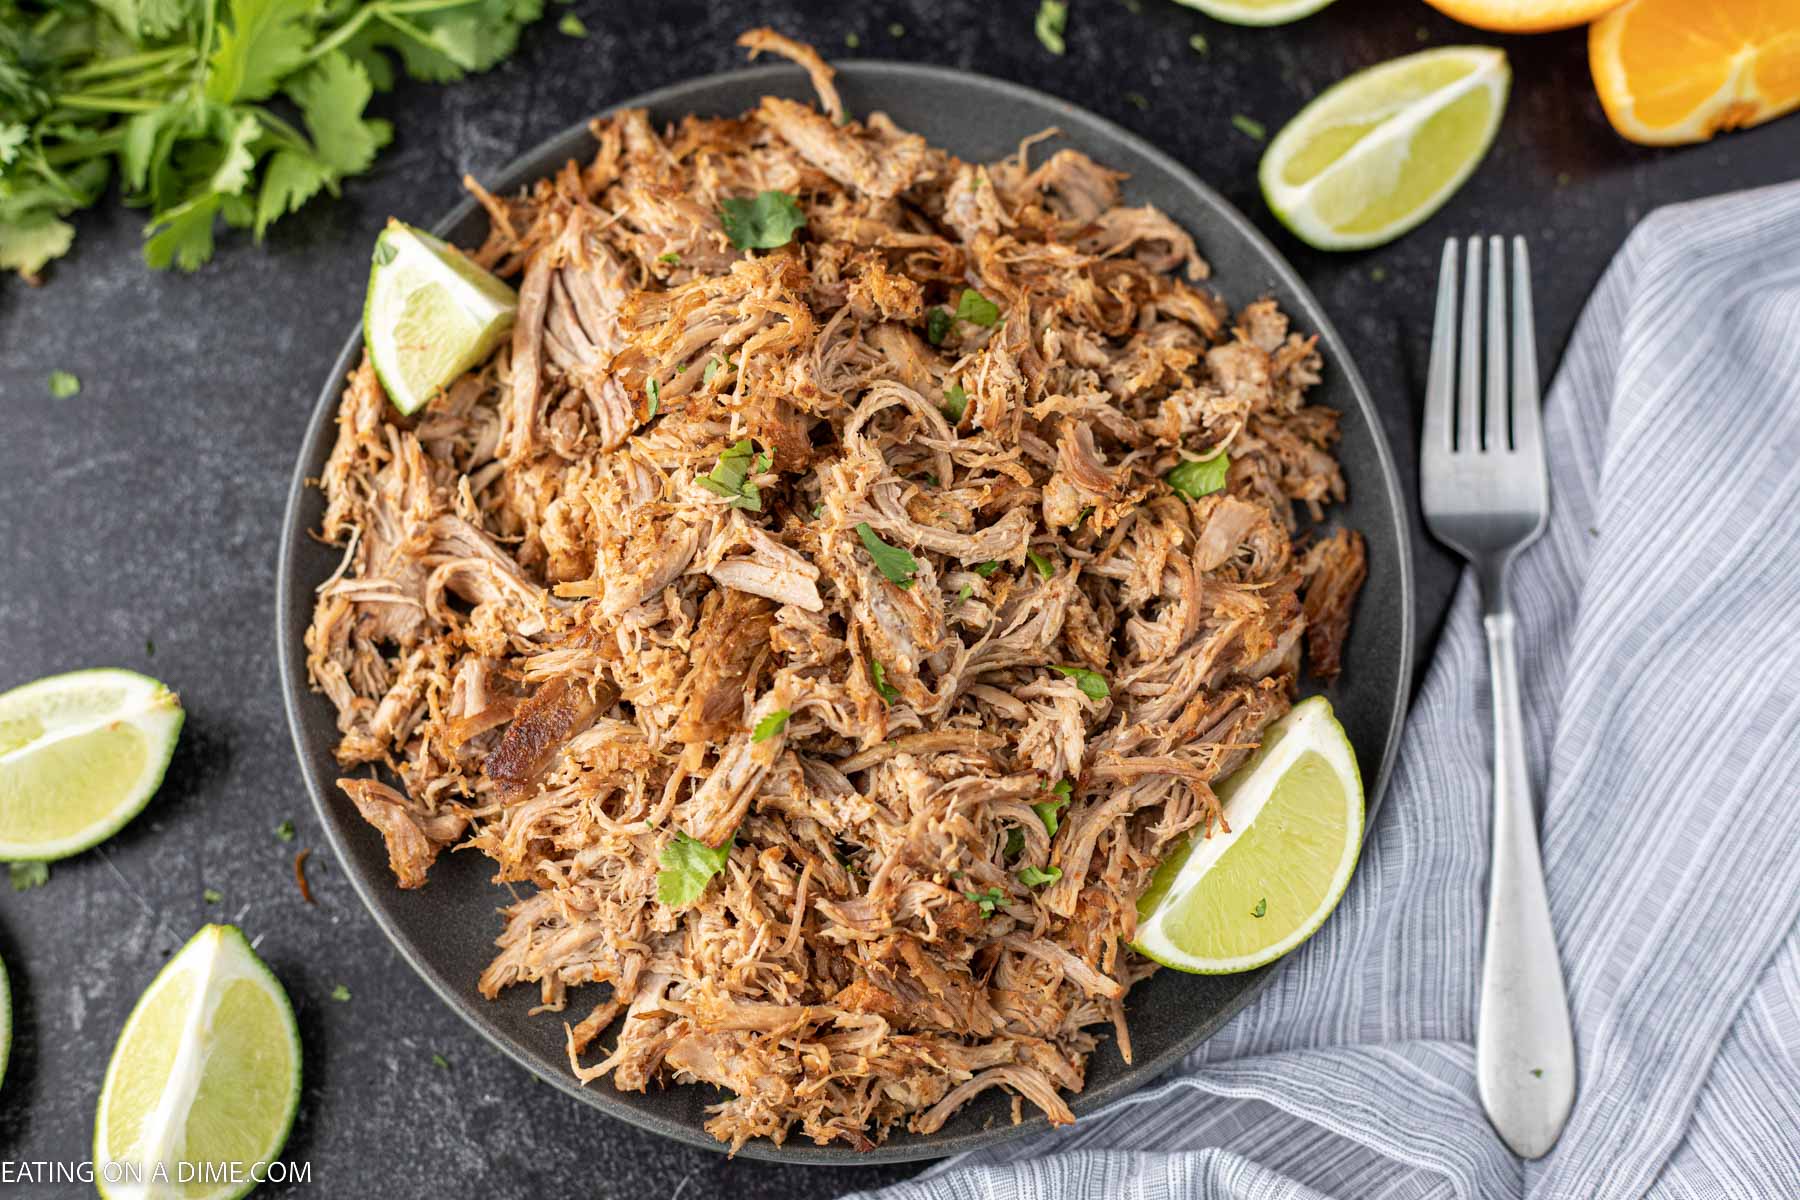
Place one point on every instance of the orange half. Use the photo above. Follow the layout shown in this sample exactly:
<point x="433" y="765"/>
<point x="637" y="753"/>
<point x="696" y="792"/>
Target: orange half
<point x="1524" y="16"/>
<point x="1675" y="71"/>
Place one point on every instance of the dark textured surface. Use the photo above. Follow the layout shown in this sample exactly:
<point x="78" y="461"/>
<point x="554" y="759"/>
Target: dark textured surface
<point x="137" y="523"/>
<point x="447" y="929"/>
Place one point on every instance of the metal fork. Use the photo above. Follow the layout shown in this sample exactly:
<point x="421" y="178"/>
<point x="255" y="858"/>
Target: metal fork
<point x="1486" y="494"/>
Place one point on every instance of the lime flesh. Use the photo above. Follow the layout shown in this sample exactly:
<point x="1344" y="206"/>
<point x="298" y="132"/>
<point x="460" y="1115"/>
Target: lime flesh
<point x="430" y="314"/>
<point x="1381" y="151"/>
<point x="1257" y="12"/>
<point x="80" y="755"/>
<point x="205" y="1079"/>
<point x="1240" y="899"/>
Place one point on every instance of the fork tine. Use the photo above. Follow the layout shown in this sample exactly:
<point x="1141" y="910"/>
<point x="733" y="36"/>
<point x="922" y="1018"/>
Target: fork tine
<point x="1494" y="437"/>
<point x="1468" y="392"/>
<point x="1527" y="421"/>
<point x="1440" y="386"/>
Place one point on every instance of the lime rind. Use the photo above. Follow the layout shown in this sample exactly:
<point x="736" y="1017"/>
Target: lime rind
<point x="1234" y="12"/>
<point x="1380" y="155"/>
<point x="1310" y="729"/>
<point x="224" y="956"/>
<point x="5" y="1021"/>
<point x="80" y="702"/>
<point x="429" y="314"/>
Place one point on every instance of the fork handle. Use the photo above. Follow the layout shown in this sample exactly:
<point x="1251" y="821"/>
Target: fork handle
<point x="1524" y="1047"/>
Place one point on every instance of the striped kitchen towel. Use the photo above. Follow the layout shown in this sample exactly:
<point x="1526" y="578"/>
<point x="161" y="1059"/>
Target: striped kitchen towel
<point x="1660" y="617"/>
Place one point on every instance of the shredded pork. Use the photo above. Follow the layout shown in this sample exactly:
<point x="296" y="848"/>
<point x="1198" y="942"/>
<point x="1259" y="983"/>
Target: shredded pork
<point x="571" y="653"/>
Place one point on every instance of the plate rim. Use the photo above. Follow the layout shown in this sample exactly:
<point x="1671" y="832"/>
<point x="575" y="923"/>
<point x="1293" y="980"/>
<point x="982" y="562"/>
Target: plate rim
<point x="296" y="690"/>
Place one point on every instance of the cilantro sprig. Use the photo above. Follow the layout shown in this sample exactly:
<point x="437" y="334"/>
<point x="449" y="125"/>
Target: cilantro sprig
<point x="895" y="562"/>
<point x="176" y="101"/>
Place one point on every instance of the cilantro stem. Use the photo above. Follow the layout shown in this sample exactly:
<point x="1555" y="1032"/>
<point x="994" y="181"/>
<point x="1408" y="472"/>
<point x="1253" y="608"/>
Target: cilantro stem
<point x="126" y="64"/>
<point x="353" y="26"/>
<point x="282" y="131"/>
<point x="107" y="104"/>
<point x="99" y="144"/>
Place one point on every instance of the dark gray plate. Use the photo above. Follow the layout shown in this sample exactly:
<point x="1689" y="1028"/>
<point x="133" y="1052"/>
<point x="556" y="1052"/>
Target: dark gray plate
<point x="446" y="929"/>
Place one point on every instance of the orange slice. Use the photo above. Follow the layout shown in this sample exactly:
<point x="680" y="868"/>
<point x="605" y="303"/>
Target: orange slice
<point x="1674" y="71"/>
<point x="1524" y="16"/>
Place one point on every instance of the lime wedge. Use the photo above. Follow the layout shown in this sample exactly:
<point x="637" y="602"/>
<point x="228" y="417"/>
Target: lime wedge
<point x="204" y="1081"/>
<point x="1380" y="151"/>
<point x="430" y="314"/>
<point x="1241" y="899"/>
<point x="80" y="755"/>
<point x="1257" y="12"/>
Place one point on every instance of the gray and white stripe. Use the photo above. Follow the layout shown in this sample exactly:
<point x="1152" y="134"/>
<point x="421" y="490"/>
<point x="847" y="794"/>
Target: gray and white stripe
<point x="1661" y="612"/>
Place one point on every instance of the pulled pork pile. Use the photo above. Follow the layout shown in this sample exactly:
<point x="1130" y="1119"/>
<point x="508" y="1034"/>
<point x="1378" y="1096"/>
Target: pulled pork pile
<point x="817" y="628"/>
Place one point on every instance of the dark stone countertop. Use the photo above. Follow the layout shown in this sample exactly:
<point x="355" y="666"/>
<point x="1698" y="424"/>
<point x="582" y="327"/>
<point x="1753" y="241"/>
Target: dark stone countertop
<point x="138" y="521"/>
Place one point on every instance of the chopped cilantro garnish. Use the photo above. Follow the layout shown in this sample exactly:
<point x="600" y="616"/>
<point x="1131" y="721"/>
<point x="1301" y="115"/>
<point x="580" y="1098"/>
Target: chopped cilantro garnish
<point x="987" y="568"/>
<point x="852" y="40"/>
<point x="730" y="477"/>
<point x="932" y="480"/>
<point x="764" y="223"/>
<point x="937" y="326"/>
<point x="1015" y="842"/>
<point x="1138" y="101"/>
<point x="956" y="401"/>
<point x="688" y="865"/>
<point x="713" y="366"/>
<point x="440" y="1062"/>
<point x="896" y="29"/>
<point x="968" y="589"/>
<point x="987" y="902"/>
<point x="1249" y="127"/>
<point x="669" y="259"/>
<point x="1039" y="876"/>
<point x="341" y="994"/>
<point x="27" y="875"/>
<point x="571" y="26"/>
<point x="1261" y="909"/>
<point x="894" y="562"/>
<point x="1197" y="477"/>
<point x="1198" y="42"/>
<point x="285" y="831"/>
<point x="63" y="384"/>
<point x="655" y="396"/>
<point x="1044" y="566"/>
<point x="770" y="725"/>
<point x="212" y="895"/>
<point x="1091" y="683"/>
<point x="977" y="308"/>
<point x="878" y="674"/>
<point x="1537" y="1072"/>
<point x="1052" y="16"/>
<point x="1047" y="810"/>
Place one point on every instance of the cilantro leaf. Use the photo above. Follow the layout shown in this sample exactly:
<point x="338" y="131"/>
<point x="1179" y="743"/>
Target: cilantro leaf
<point x="967" y="590"/>
<point x="1044" y="566"/>
<point x="183" y="236"/>
<point x="1015" y="842"/>
<point x="770" y="725"/>
<point x="976" y="308"/>
<point x="571" y="26"/>
<point x="341" y="994"/>
<point x="63" y="385"/>
<point x="1039" y="876"/>
<point x="331" y="96"/>
<point x="439" y="1061"/>
<point x="878" y="674"/>
<point x="212" y="895"/>
<point x="730" y="476"/>
<point x="1197" y="477"/>
<point x="27" y="875"/>
<point x="956" y="403"/>
<point x="987" y="568"/>
<point x="894" y="562"/>
<point x="655" y="390"/>
<point x="764" y="223"/>
<point x="290" y="180"/>
<point x="688" y="865"/>
<point x="1091" y="683"/>
<point x="1052" y="16"/>
<point x="261" y="41"/>
<point x="1261" y="909"/>
<point x="937" y="326"/>
<point x="285" y="831"/>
